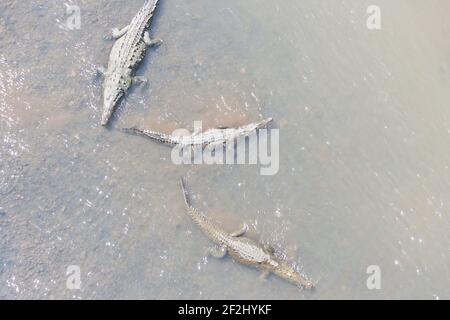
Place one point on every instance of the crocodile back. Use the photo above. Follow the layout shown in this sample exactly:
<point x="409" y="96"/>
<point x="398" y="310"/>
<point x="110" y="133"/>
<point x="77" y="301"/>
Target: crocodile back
<point x="132" y="45"/>
<point x="247" y="251"/>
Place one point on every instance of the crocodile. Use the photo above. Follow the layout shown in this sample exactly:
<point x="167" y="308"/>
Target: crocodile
<point x="127" y="53"/>
<point x="242" y="249"/>
<point x="214" y="136"/>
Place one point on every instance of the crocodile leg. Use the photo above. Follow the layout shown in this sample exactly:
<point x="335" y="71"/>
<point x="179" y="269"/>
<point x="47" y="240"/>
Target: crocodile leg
<point x="151" y="42"/>
<point x="218" y="252"/>
<point x="263" y="276"/>
<point x="101" y="71"/>
<point x="241" y="231"/>
<point x="269" y="248"/>
<point x="139" y="79"/>
<point x="197" y="130"/>
<point x="116" y="33"/>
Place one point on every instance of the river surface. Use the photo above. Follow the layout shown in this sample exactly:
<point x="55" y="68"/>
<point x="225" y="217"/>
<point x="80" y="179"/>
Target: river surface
<point x="363" y="182"/>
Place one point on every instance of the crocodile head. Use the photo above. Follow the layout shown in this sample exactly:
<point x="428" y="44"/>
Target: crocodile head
<point x="252" y="127"/>
<point x="114" y="89"/>
<point x="264" y="123"/>
<point x="110" y="99"/>
<point x="289" y="272"/>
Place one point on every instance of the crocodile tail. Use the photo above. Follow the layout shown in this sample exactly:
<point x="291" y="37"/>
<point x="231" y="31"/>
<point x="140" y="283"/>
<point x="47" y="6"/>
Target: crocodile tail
<point x="157" y="136"/>
<point x="132" y="130"/>
<point x="185" y="193"/>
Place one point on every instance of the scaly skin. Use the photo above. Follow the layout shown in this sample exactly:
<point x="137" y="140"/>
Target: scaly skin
<point x="245" y="250"/>
<point x="209" y="137"/>
<point x="126" y="55"/>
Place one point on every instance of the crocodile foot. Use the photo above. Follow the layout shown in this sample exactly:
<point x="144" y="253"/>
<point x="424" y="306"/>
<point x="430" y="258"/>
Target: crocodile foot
<point x="116" y="33"/>
<point x="218" y="252"/>
<point x="139" y="80"/>
<point x="151" y="42"/>
<point x="241" y="231"/>
<point x="101" y="71"/>
<point x="264" y="275"/>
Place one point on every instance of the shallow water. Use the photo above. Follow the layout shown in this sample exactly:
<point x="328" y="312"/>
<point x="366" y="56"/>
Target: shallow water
<point x="364" y="125"/>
